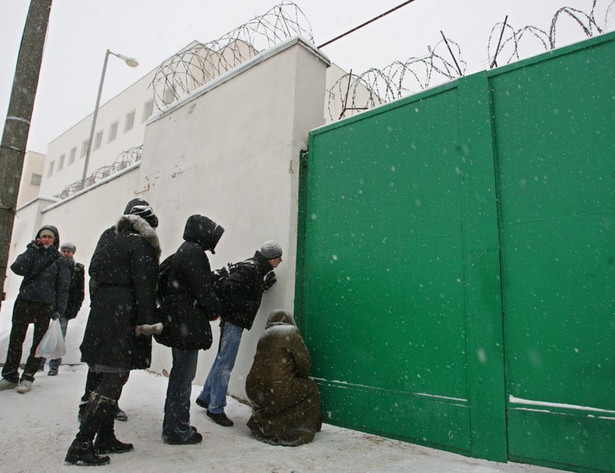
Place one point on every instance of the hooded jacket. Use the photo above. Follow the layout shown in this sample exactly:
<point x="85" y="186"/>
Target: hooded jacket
<point x="45" y="271"/>
<point x="188" y="298"/>
<point x="123" y="276"/>
<point x="286" y="402"/>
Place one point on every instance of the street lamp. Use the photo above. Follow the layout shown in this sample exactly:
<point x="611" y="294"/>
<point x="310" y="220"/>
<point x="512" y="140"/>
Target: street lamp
<point x="130" y="61"/>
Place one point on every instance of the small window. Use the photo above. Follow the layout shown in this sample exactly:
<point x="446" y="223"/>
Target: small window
<point x="112" y="132"/>
<point x="61" y="162"/>
<point x="72" y="155"/>
<point x="130" y="121"/>
<point x="50" y="169"/>
<point x="36" y="179"/>
<point x="84" y="148"/>
<point x="148" y="110"/>
<point x="98" y="139"/>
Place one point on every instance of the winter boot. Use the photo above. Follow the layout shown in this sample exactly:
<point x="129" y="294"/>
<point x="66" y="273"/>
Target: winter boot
<point x="83" y="453"/>
<point x="81" y="450"/>
<point x="106" y="441"/>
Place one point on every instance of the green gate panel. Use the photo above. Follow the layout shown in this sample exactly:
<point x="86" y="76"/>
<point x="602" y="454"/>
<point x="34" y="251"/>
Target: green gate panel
<point x="384" y="268"/>
<point x="554" y="122"/>
<point x="456" y="263"/>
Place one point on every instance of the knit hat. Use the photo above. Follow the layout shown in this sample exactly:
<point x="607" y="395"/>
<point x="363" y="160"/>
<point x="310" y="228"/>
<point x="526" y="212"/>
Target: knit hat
<point x="47" y="232"/>
<point x="271" y="249"/>
<point x="142" y="208"/>
<point x="69" y="246"/>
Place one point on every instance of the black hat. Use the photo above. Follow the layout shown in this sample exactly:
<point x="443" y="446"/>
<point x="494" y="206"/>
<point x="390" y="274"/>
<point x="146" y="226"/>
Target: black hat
<point x="142" y="208"/>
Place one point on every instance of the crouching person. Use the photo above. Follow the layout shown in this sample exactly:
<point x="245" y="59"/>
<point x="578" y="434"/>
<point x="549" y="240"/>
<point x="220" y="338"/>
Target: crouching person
<point x="123" y="317"/>
<point x="286" y="403"/>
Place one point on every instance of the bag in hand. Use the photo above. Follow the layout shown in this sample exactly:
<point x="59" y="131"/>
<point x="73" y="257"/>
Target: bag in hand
<point x="52" y="345"/>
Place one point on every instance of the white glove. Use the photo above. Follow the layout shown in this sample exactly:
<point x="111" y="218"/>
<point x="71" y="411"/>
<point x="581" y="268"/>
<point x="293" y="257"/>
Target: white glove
<point x="146" y="329"/>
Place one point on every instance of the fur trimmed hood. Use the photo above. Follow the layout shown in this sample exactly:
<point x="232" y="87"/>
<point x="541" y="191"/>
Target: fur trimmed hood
<point x="139" y="225"/>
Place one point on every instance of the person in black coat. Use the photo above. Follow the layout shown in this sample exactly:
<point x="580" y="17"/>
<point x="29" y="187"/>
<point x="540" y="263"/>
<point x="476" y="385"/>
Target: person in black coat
<point x="76" y="293"/>
<point x="117" y="339"/>
<point x="42" y="296"/>
<point x="240" y="294"/>
<point x="188" y="304"/>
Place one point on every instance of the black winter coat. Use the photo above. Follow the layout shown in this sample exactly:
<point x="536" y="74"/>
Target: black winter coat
<point x="75" y="290"/>
<point x="123" y="277"/>
<point x="188" y="300"/>
<point x="45" y="271"/>
<point x="242" y="291"/>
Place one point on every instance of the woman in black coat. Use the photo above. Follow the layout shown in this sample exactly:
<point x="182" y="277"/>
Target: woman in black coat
<point x="117" y="339"/>
<point x="188" y="304"/>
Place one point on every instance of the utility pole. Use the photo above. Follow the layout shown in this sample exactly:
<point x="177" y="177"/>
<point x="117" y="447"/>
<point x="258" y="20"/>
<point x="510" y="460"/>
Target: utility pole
<point x="17" y="125"/>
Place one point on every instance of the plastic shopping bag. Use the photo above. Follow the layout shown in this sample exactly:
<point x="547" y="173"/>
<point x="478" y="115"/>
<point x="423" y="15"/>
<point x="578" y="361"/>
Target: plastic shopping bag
<point x="52" y="345"/>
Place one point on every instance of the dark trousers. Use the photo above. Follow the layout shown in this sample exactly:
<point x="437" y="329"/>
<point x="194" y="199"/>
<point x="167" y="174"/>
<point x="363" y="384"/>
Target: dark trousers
<point x="24" y="313"/>
<point x="176" y="423"/>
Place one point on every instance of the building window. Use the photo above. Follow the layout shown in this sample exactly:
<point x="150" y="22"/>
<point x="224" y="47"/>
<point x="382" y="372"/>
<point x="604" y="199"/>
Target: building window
<point x="61" y="162"/>
<point x="50" y="169"/>
<point x="112" y="132"/>
<point x="98" y="139"/>
<point x="148" y="110"/>
<point x="72" y="155"/>
<point x="84" y="148"/>
<point x="36" y="179"/>
<point x="130" y="121"/>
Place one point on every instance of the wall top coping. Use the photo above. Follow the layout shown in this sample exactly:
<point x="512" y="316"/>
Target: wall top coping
<point x="240" y="69"/>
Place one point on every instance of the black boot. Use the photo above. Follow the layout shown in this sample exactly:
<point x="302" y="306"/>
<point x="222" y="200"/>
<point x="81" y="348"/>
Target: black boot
<point x="106" y="441"/>
<point x="83" y="453"/>
<point x="81" y="450"/>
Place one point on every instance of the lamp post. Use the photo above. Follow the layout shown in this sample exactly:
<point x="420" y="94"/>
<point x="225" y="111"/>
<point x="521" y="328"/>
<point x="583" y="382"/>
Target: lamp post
<point x="130" y="61"/>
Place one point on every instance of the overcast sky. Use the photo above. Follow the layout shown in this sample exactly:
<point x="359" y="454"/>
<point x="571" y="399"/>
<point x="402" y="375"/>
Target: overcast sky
<point x="80" y="31"/>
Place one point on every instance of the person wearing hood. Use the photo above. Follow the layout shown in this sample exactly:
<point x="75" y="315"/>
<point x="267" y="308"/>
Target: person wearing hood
<point x="240" y="294"/>
<point x="123" y="317"/>
<point x="42" y="297"/>
<point x="188" y="303"/>
<point x="286" y="403"/>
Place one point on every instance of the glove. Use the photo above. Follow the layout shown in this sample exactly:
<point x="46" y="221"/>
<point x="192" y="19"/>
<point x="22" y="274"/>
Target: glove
<point x="55" y="316"/>
<point x="146" y="329"/>
<point x="270" y="280"/>
<point x="35" y="245"/>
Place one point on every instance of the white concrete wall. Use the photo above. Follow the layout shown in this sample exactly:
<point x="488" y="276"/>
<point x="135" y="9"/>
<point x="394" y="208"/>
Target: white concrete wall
<point x="229" y="151"/>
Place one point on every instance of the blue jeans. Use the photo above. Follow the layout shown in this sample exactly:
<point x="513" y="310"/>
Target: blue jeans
<point x="176" y="423"/>
<point x="216" y="384"/>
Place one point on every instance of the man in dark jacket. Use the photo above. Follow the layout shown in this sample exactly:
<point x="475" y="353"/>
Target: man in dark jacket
<point x="76" y="292"/>
<point x="286" y="402"/>
<point x="42" y="296"/>
<point x="117" y="338"/>
<point x="188" y="304"/>
<point x="240" y="294"/>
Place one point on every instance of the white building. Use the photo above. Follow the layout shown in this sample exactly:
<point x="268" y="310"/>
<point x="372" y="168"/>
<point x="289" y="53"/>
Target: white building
<point x="229" y="150"/>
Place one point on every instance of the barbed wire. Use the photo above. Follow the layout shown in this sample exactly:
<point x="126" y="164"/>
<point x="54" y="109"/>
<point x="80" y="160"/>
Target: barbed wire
<point x="375" y="87"/>
<point x="511" y="39"/>
<point x="125" y="159"/>
<point x="356" y="92"/>
<point x="201" y="62"/>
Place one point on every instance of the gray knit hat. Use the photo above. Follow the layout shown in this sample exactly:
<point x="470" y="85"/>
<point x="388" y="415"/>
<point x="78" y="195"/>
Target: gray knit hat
<point x="69" y="245"/>
<point x="271" y="249"/>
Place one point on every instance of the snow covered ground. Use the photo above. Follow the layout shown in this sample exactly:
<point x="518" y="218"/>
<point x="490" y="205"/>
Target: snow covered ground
<point x="37" y="428"/>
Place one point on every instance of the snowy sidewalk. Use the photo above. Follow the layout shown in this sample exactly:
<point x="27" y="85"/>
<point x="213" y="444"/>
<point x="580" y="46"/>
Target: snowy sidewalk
<point x="37" y="428"/>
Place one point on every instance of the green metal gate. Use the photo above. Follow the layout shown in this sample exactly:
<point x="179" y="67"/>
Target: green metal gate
<point x="455" y="280"/>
